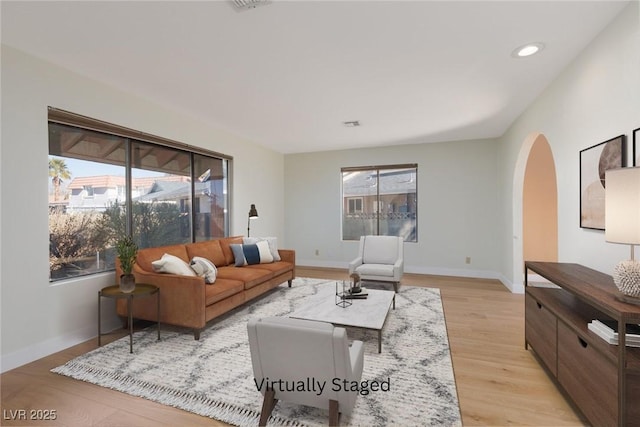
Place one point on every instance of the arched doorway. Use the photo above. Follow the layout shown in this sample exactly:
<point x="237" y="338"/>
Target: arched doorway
<point x="540" y="204"/>
<point x="535" y="206"/>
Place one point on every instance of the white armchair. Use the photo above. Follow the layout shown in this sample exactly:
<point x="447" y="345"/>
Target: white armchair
<point x="380" y="259"/>
<point x="291" y="351"/>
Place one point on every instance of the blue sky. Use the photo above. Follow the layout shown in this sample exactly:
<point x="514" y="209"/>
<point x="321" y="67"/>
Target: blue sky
<point x="83" y="168"/>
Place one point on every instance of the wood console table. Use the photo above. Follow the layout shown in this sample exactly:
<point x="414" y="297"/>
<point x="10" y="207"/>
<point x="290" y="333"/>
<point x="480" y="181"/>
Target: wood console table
<point x="602" y="380"/>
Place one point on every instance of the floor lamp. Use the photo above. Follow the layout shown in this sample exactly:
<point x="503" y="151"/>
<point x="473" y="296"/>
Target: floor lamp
<point x="622" y="225"/>
<point x="253" y="213"/>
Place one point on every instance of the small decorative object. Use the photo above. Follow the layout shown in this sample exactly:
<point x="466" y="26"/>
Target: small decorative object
<point x="355" y="284"/>
<point x="626" y="276"/>
<point x="127" y="251"/>
<point x="341" y="295"/>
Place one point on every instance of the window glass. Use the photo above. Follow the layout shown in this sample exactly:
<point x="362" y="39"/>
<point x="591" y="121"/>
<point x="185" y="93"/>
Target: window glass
<point x="380" y="201"/>
<point x="161" y="202"/>
<point x="358" y="187"/>
<point x="82" y="191"/>
<point x="89" y="209"/>
<point x="210" y="207"/>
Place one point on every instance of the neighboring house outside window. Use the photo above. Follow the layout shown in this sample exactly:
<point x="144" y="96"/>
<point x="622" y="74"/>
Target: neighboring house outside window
<point x="380" y="200"/>
<point x="88" y="191"/>
<point x="173" y="196"/>
<point x="354" y="205"/>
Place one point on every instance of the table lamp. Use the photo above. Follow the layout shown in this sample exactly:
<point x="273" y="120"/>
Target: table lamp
<point x="622" y="225"/>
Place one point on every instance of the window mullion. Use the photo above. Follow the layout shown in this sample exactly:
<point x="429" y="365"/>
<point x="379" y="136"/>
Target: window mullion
<point x="128" y="205"/>
<point x="377" y="212"/>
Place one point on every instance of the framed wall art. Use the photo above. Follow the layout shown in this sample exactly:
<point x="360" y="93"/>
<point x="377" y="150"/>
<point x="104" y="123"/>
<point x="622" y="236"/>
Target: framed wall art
<point x="636" y="149"/>
<point x="594" y="162"/>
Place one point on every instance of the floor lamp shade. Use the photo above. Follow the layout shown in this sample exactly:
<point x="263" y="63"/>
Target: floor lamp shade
<point x="253" y="213"/>
<point x="622" y="225"/>
<point x="622" y="206"/>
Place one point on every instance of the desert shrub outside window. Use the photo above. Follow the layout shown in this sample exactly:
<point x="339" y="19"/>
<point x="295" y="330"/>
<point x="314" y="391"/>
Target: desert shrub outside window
<point x="103" y="186"/>
<point x="380" y="200"/>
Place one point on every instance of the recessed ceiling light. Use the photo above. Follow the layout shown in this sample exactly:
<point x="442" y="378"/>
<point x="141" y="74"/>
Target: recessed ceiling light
<point x="527" y="50"/>
<point x="351" y="124"/>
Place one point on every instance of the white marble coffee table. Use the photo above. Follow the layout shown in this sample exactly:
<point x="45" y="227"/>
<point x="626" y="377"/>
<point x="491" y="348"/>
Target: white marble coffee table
<point x="370" y="313"/>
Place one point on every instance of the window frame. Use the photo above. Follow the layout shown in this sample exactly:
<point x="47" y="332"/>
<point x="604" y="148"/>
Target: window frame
<point x="377" y="203"/>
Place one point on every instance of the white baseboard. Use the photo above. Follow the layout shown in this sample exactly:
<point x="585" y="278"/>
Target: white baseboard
<point x="517" y="288"/>
<point x="322" y="264"/>
<point x="53" y="345"/>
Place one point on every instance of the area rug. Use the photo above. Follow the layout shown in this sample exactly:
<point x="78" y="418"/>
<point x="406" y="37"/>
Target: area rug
<point x="213" y="377"/>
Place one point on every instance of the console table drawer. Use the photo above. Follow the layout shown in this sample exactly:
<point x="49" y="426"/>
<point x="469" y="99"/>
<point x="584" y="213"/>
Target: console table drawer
<point x="540" y="332"/>
<point x="590" y="378"/>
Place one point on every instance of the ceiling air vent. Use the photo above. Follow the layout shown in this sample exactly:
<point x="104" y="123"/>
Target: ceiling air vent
<point x="352" y="124"/>
<point x="242" y="5"/>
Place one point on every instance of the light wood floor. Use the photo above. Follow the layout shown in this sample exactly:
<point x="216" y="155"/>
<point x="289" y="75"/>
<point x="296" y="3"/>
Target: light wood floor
<point x="499" y="382"/>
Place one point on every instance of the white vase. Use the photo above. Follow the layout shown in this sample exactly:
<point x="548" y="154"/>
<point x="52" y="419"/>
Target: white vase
<point x="127" y="283"/>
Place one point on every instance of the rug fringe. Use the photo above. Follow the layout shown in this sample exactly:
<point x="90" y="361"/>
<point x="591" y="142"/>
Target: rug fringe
<point x="192" y="402"/>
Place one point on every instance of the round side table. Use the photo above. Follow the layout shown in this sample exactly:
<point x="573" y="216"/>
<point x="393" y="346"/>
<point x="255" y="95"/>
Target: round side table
<point x="141" y="290"/>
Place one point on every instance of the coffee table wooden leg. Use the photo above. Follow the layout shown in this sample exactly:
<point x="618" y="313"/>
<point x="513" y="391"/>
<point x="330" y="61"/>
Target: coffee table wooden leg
<point x="380" y="341"/>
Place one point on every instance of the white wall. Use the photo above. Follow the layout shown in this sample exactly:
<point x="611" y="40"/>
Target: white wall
<point x="457" y="206"/>
<point x="596" y="98"/>
<point x="39" y="318"/>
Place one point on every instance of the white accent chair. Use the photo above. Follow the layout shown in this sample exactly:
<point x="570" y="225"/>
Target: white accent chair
<point x="380" y="259"/>
<point x="295" y="350"/>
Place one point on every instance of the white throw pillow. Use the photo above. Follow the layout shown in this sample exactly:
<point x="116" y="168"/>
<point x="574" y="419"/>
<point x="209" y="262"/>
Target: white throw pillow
<point x="173" y="265"/>
<point x="272" y="241"/>
<point x="204" y="268"/>
<point x="264" y="251"/>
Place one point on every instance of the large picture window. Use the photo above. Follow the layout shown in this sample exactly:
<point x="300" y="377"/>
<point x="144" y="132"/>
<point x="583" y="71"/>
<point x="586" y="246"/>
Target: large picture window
<point x="107" y="184"/>
<point x="380" y="200"/>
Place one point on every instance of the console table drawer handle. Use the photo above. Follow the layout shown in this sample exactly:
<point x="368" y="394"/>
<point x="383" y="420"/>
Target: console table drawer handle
<point x="583" y="343"/>
<point x="539" y="305"/>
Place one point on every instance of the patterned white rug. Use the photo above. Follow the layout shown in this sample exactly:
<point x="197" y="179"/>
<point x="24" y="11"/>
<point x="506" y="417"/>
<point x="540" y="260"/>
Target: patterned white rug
<point x="213" y="376"/>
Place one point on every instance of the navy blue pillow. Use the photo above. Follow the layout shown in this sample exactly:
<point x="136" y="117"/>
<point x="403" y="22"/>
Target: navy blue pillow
<point x="245" y="254"/>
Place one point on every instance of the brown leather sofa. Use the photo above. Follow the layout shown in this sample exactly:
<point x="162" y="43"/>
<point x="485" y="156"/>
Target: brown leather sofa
<point x="187" y="301"/>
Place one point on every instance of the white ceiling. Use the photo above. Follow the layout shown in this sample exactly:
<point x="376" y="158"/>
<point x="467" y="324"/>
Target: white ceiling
<point x="286" y="75"/>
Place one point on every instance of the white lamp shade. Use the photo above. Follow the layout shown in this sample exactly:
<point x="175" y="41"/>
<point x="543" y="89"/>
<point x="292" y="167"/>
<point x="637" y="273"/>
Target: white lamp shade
<point x="622" y="206"/>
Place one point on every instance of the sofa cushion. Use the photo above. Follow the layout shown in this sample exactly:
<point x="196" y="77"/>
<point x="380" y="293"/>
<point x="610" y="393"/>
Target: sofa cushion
<point x="224" y="288"/>
<point x="226" y="249"/>
<point x="210" y="250"/>
<point x="172" y="264"/>
<point x="250" y="276"/>
<point x="147" y="255"/>
<point x="271" y="241"/>
<point x="204" y="268"/>
<point x="375" y="270"/>
<point x="258" y="253"/>
<point x="276" y="268"/>
<point x="380" y="250"/>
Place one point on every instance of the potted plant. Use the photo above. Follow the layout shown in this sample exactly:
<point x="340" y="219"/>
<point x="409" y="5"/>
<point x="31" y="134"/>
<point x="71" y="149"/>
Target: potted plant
<point x="127" y="251"/>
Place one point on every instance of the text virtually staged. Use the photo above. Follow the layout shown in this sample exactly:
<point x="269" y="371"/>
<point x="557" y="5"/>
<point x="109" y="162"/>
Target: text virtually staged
<point x="310" y="384"/>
